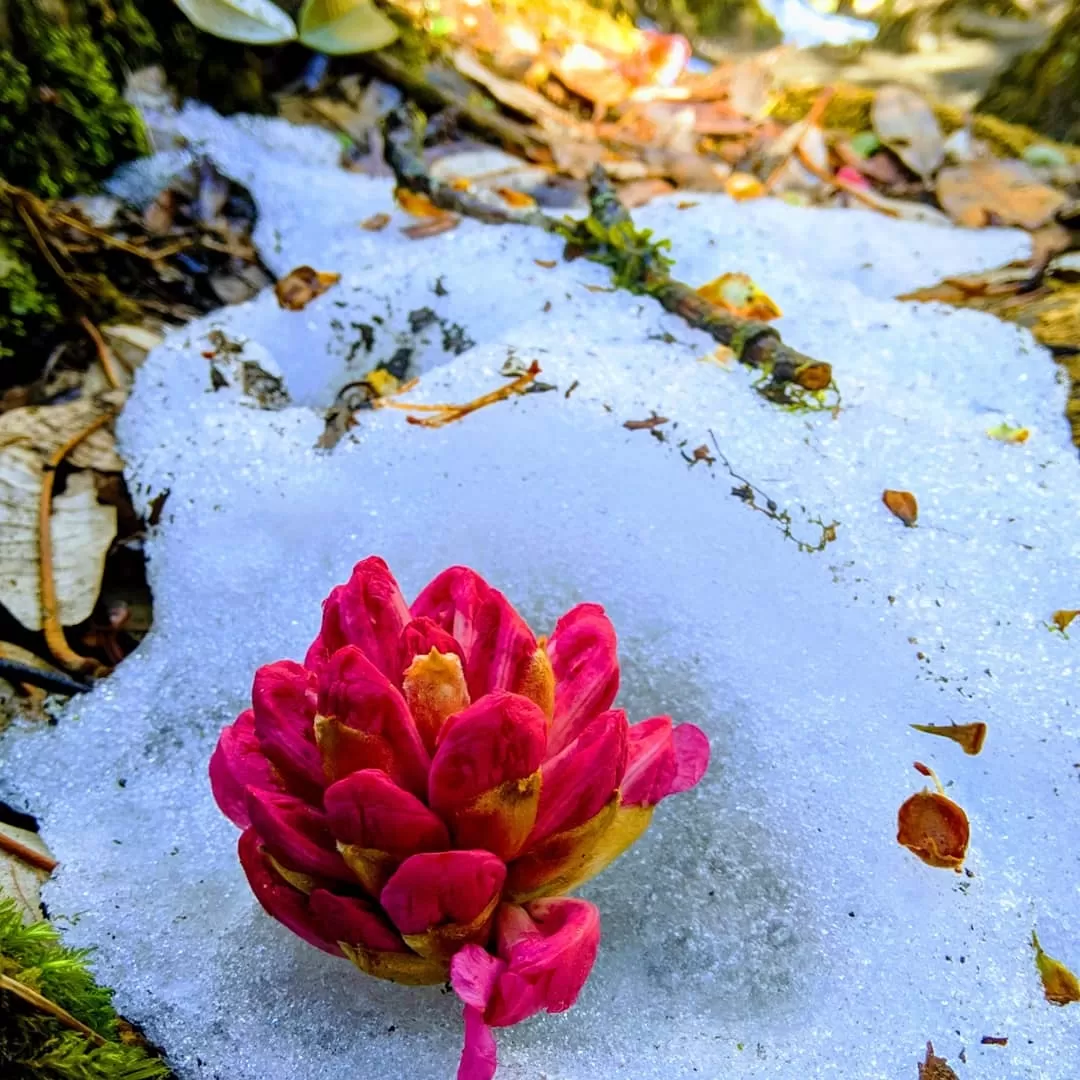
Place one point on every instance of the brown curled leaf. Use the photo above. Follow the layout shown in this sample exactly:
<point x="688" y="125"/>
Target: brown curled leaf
<point x="933" y="827"/>
<point x="300" y="286"/>
<point x="375" y="223"/>
<point x="1060" y="985"/>
<point x="970" y="737"/>
<point x="652" y="422"/>
<point x="934" y="1067"/>
<point x="903" y="504"/>
<point x="1062" y="619"/>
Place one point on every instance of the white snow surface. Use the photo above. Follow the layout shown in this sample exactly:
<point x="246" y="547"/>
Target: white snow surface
<point x="768" y="925"/>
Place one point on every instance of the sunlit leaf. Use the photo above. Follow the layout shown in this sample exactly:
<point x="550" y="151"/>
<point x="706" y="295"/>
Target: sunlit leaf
<point x="739" y="294"/>
<point x="1006" y="433"/>
<point x="933" y="827"/>
<point x="512" y="197"/>
<point x="969" y="736"/>
<point x="342" y="27"/>
<point x="903" y="504"/>
<point x="1060" y="985"/>
<point x="254" y="22"/>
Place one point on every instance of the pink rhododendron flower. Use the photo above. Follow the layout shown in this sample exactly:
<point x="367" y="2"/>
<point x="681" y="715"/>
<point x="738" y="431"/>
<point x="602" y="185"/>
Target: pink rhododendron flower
<point x="422" y="792"/>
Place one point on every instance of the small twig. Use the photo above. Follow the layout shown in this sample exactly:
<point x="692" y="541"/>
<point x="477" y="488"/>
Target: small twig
<point x="839" y="182"/>
<point x="27" y="854"/>
<point x="755" y="344"/>
<point x="446" y="414"/>
<point x="50" y="618"/>
<point x="39" y="1001"/>
<point x="105" y="356"/>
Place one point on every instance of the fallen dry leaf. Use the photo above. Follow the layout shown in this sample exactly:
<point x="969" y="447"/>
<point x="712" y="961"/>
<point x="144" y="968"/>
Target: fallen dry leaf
<point x="686" y="204"/>
<point x="934" y="1067"/>
<point x="1060" y="985"/>
<point x="997" y="193"/>
<point x="300" y="286"/>
<point x="653" y="421"/>
<point x="742" y="187"/>
<point x="906" y="124"/>
<point x="45" y="428"/>
<point x="931" y="826"/>
<point x="969" y="736"/>
<point x="739" y="294"/>
<point x="434" y="226"/>
<point x="82" y="530"/>
<point x="1063" y="619"/>
<point x="19" y="879"/>
<point x="591" y="75"/>
<point x="376" y="222"/>
<point x="518" y="199"/>
<point x="995" y="1040"/>
<point x="903" y="504"/>
<point x="415" y="203"/>
<point x="546" y="264"/>
<point x="1006" y="433"/>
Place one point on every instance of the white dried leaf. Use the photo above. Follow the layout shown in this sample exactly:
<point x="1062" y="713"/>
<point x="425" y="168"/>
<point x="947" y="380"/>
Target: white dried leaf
<point x="45" y="428"/>
<point x="82" y="530"/>
<point x="254" y="22"/>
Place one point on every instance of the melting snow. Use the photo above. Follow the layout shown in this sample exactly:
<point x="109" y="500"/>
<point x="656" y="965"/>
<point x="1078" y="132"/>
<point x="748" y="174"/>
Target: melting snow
<point x="768" y="925"/>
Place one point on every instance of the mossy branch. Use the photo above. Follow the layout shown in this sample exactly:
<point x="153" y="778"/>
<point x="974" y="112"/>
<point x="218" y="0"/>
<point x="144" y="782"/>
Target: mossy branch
<point x="638" y="262"/>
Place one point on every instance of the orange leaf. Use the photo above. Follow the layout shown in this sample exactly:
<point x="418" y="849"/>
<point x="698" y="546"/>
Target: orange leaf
<point x="417" y="204"/>
<point x="903" y="504"/>
<point x="1060" y="985"/>
<point x="813" y="376"/>
<point x="741" y="186"/>
<point x="300" y="286"/>
<point x="739" y="294"/>
<point x="970" y="736"/>
<point x="1062" y="619"/>
<point x="933" y="827"/>
<point x="375" y="223"/>
<point x="547" y="264"/>
<point x="461" y="183"/>
<point x="512" y="197"/>
<point x="997" y="193"/>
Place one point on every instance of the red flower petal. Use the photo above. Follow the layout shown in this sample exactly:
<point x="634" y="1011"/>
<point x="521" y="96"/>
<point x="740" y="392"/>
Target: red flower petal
<point x="551" y="944"/>
<point x="368" y="612"/>
<point x="279" y="900"/>
<point x="578" y="782"/>
<point x="496" y="642"/>
<point x="368" y="809"/>
<point x="479" y="1058"/>
<point x="434" y="888"/>
<point x="498" y="738"/>
<point x="473" y="974"/>
<point x="283" y="700"/>
<point x="352" y="920"/>
<point x="295" y="834"/>
<point x="584" y="656"/>
<point x="356" y="694"/>
<point x="238" y="761"/>
<point x="662" y="761"/>
<point x="420" y="637"/>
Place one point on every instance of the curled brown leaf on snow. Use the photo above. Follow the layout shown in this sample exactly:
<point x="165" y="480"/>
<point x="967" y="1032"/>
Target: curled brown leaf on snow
<point x="933" y="827"/>
<point x="300" y="286"/>
<point x="902" y="504"/>
<point x="970" y="737"/>
<point x="934" y="1067"/>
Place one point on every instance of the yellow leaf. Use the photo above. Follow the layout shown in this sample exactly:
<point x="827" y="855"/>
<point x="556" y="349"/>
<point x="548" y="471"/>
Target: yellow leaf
<point x="742" y="186"/>
<point x="970" y="736"/>
<point x="1062" y="619"/>
<point x="739" y="294"/>
<point x="342" y="27"/>
<point x="518" y="199"/>
<point x="1060" y="985"/>
<point x="300" y="286"/>
<point x="417" y="204"/>
<point x="1006" y="433"/>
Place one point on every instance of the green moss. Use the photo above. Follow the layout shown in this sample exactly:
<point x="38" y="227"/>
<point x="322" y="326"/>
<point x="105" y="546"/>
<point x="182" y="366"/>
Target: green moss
<point x="64" y="123"/>
<point x="34" y="1045"/>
